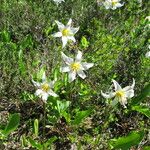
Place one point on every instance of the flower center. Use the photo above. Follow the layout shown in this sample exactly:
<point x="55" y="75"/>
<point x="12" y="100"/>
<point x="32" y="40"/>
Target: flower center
<point x="65" y="32"/>
<point x="120" y="93"/>
<point x="114" y="2"/>
<point x="45" y="87"/>
<point x="75" y="66"/>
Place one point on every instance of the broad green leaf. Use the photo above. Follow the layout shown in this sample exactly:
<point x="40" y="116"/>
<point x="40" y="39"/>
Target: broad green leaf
<point x="21" y="63"/>
<point x="5" y="36"/>
<point x="40" y="73"/>
<point x="36" y="127"/>
<point x="50" y="141"/>
<point x="146" y="148"/>
<point x="145" y="93"/>
<point x="49" y="30"/>
<point x="56" y="74"/>
<point x="35" y="144"/>
<point x="62" y="106"/>
<point x="80" y="116"/>
<point x="2" y="136"/>
<point x="53" y="118"/>
<point x="12" y="45"/>
<point x="124" y="143"/>
<point x="27" y="42"/>
<point x="12" y="124"/>
<point x="142" y="109"/>
<point x="66" y="116"/>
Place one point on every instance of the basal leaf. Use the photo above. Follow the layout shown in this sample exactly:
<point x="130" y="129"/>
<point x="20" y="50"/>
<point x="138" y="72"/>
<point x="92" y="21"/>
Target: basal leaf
<point x="50" y="141"/>
<point x="36" y="127"/>
<point x="35" y="144"/>
<point x="62" y="106"/>
<point x="145" y="93"/>
<point x="21" y="63"/>
<point x="80" y="116"/>
<point x="142" y="109"/>
<point x="124" y="143"/>
<point x="146" y="148"/>
<point x="12" y="124"/>
<point x="5" y="35"/>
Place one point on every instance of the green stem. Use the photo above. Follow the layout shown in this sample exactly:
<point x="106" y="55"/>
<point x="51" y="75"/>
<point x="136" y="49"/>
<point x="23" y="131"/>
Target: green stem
<point x="44" y="120"/>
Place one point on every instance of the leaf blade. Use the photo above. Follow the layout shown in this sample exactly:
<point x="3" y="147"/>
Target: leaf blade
<point x="12" y="124"/>
<point x="126" y="142"/>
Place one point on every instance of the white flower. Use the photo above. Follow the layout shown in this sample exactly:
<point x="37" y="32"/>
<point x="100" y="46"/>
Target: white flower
<point x="58" y="1"/>
<point x="147" y="55"/>
<point x="112" y="4"/>
<point x="44" y="89"/>
<point x="66" y="32"/>
<point x="121" y="94"/>
<point x="75" y="67"/>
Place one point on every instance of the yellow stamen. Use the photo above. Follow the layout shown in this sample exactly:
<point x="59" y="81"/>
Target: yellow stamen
<point x="75" y="66"/>
<point x="65" y="32"/>
<point x="120" y="93"/>
<point x="114" y="2"/>
<point x="45" y="87"/>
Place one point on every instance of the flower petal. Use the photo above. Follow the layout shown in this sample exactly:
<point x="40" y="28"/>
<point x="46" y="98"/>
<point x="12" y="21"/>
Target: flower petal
<point x="66" y="59"/>
<point x="52" y="93"/>
<point x="127" y="88"/>
<point x="64" y="69"/>
<point x="123" y="101"/>
<point x="78" y="57"/>
<point x="119" y="5"/>
<point x="72" y="76"/>
<point x="133" y="84"/>
<point x="114" y="7"/>
<point x="107" y="4"/>
<point x="109" y="95"/>
<point x="44" y="77"/>
<point x="86" y="65"/>
<point x="71" y="38"/>
<point x="39" y="92"/>
<point x="114" y="102"/>
<point x="60" y="25"/>
<point x="116" y="85"/>
<point x="74" y="30"/>
<point x="45" y="97"/>
<point x="36" y="84"/>
<point x="130" y="93"/>
<point x="81" y="74"/>
<point x="58" y="1"/>
<point x="51" y="84"/>
<point x="69" y="23"/>
<point x="58" y="34"/>
<point x="64" y="41"/>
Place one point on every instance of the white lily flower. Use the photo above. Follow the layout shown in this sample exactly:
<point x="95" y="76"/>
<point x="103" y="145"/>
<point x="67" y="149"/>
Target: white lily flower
<point x="44" y="89"/>
<point x="66" y="32"/>
<point x="58" y="1"/>
<point x="75" y="66"/>
<point x="112" y="4"/>
<point x="121" y="94"/>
